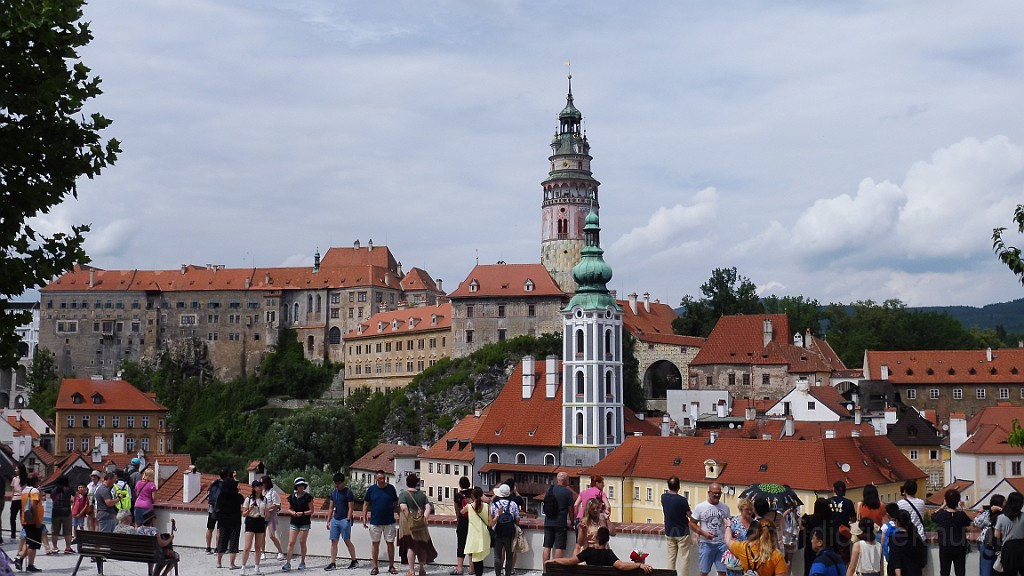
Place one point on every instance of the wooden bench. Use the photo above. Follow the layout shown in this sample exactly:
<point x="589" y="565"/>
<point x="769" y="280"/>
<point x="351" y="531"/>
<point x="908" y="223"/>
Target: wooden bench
<point x="584" y="570"/>
<point x="123" y="547"/>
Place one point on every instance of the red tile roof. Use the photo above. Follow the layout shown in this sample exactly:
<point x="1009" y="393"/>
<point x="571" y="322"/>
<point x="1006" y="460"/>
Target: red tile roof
<point x="1002" y="414"/>
<point x="655" y="326"/>
<point x="871" y="459"/>
<point x="740" y="340"/>
<point x="368" y="255"/>
<point x="43" y="455"/>
<point x="382" y="457"/>
<point x="990" y="428"/>
<point x="457" y="444"/>
<point x="939" y="498"/>
<point x="116" y="395"/>
<point x="22" y="427"/>
<point x="507" y="280"/>
<point x="739" y="408"/>
<point x="947" y="366"/>
<point x="831" y="398"/>
<point x="396" y="322"/>
<point x="418" y="279"/>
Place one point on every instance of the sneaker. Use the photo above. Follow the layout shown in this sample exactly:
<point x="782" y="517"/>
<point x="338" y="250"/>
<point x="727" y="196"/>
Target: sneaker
<point x="280" y="556"/>
<point x="245" y="571"/>
<point x="17" y="563"/>
<point x="302" y="565"/>
<point x="287" y="566"/>
<point x="258" y="571"/>
<point x="353" y="564"/>
<point x="329" y="567"/>
<point x="209" y="552"/>
<point x="264" y="556"/>
<point x="31" y="568"/>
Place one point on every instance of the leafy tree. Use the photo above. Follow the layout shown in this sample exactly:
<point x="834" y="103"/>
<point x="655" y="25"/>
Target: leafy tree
<point x="725" y="293"/>
<point x="803" y="313"/>
<point x="633" y="390"/>
<point x="44" y="381"/>
<point x="286" y="371"/>
<point x="317" y="437"/>
<point x="46" y="145"/>
<point x="1010" y="255"/>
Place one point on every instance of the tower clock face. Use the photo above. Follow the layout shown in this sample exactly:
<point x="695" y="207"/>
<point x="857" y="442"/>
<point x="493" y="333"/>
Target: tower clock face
<point x="565" y="163"/>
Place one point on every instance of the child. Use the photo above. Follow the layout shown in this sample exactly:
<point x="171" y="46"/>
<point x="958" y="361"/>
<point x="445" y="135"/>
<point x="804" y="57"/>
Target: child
<point x="888" y="528"/>
<point x="78" y="509"/>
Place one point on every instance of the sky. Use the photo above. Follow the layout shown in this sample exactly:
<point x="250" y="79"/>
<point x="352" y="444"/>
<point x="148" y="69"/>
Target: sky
<point x="841" y="151"/>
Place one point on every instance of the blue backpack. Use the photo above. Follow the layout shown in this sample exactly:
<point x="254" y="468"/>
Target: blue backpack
<point x="506" y="525"/>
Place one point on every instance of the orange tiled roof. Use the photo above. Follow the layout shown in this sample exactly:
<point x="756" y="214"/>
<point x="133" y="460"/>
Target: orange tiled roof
<point x="655" y="326"/>
<point x="947" y="366"/>
<point x="774" y="427"/>
<point x="43" y="455"/>
<point x="989" y="439"/>
<point x="116" y="395"/>
<point x="457" y="444"/>
<point x="382" y="457"/>
<point x="939" y="498"/>
<point x="831" y="398"/>
<point x="418" y="279"/>
<point x="22" y="427"/>
<point x="872" y="459"/>
<point x="739" y="407"/>
<point x="396" y="322"/>
<point x="740" y="340"/>
<point x="507" y="280"/>
<point x="368" y="255"/>
<point x="1002" y="414"/>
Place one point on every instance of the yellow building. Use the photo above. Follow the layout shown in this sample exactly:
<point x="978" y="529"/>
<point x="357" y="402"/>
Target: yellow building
<point x="448" y="460"/>
<point x="636" y="473"/>
<point x="388" y="349"/>
<point x="111" y="416"/>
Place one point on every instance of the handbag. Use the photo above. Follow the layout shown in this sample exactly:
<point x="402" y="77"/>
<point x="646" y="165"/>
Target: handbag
<point x="417" y="520"/>
<point x="731" y="562"/>
<point x="519" y="542"/>
<point x="998" y="564"/>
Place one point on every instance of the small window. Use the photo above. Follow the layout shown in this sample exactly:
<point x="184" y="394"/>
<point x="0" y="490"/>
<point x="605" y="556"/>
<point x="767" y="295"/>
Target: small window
<point x="933" y="394"/>
<point x="1004" y="393"/>
<point x="958" y="393"/>
<point x="1015" y="468"/>
<point x="990" y="468"/>
<point x="811" y="406"/>
<point x="501" y="310"/>
<point x="913" y="454"/>
<point x="933" y="454"/>
<point x="980" y="393"/>
<point x="911" y="394"/>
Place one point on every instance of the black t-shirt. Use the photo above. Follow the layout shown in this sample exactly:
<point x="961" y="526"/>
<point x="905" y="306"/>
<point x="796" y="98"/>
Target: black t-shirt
<point x="565" y="499"/>
<point x="951" y="527"/>
<point x="300" y="504"/>
<point x="597" y="557"/>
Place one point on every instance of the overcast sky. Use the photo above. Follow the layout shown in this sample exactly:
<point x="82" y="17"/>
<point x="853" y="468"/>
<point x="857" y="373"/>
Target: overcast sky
<point x="837" y="150"/>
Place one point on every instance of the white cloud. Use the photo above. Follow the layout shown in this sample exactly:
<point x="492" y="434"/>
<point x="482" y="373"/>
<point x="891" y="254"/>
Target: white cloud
<point x="668" y="227"/>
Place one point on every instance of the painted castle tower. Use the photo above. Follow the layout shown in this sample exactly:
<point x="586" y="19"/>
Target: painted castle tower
<point x="592" y="409"/>
<point x="570" y="193"/>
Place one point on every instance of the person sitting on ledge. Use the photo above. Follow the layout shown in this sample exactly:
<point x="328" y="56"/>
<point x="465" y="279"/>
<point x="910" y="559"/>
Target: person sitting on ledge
<point x="600" y="555"/>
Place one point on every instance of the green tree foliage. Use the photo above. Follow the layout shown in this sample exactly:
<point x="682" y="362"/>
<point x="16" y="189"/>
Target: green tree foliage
<point x="1010" y="255"/>
<point x="44" y="381"/>
<point x="286" y="372"/>
<point x="322" y="437"/>
<point x="725" y="293"/>
<point x="866" y="325"/>
<point x="633" y="390"/>
<point x="803" y="313"/>
<point x="46" y="145"/>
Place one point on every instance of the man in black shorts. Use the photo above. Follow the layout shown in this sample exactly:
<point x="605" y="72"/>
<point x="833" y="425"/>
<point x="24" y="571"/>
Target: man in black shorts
<point x="556" y="527"/>
<point x="600" y="555"/>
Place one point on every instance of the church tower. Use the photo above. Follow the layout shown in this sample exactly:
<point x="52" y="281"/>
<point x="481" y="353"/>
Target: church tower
<point x="570" y="192"/>
<point x="592" y="409"/>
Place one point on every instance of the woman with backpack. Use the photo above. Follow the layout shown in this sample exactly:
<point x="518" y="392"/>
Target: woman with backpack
<point x="504" y="518"/>
<point x="478" y="537"/>
<point x="988" y="545"/>
<point x="1010" y="532"/>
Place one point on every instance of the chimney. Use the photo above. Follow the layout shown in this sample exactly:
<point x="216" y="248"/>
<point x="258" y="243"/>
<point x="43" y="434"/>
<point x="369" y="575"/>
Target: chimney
<point x="750" y="414"/>
<point x="399" y="271"/>
<point x="184" y="267"/>
<point x="192" y="484"/>
<point x="798" y="340"/>
<point x="856" y="415"/>
<point x="855" y="433"/>
<point x="712" y="437"/>
<point x="266" y="277"/>
<point x="477" y="413"/>
<point x="988" y="354"/>
<point x="720" y="410"/>
<point x="694" y="410"/>
<point x="767" y="331"/>
<point x="439" y="283"/>
<point x="529" y="380"/>
<point x="885" y="372"/>
<point x="665" y="425"/>
<point x="807" y="337"/>
<point x="647" y="302"/>
<point x="551" y="376"/>
<point x="789" y="430"/>
<point x="632" y="302"/>
<point x="248" y="282"/>
<point x="17" y="415"/>
<point x="830" y="433"/>
<point x="92" y="278"/>
<point x="356" y="244"/>
<point x="369" y="245"/>
<point x="802" y="384"/>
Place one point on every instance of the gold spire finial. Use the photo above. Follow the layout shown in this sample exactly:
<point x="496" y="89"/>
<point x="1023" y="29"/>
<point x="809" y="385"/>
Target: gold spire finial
<point x="568" y="64"/>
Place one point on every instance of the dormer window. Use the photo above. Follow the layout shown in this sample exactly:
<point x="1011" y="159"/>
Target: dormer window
<point x="474" y="285"/>
<point x="97" y="398"/>
<point x="394" y="324"/>
<point x="380" y="326"/>
<point x="77" y="398"/>
<point x="712" y="469"/>
<point x="528" y="285"/>
<point x="433" y="319"/>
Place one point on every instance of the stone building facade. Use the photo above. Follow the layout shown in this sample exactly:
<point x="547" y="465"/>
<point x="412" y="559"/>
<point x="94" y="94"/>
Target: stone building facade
<point x="752" y="356"/>
<point x="389" y="348"/>
<point x="501" y="301"/>
<point x="949" y="381"/>
<point x="110" y="416"/>
<point x="93" y="319"/>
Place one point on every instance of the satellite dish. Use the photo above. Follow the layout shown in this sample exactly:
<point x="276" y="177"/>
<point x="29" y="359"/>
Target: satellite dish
<point x="732" y="425"/>
<point x="945" y="427"/>
<point x="845" y="467"/>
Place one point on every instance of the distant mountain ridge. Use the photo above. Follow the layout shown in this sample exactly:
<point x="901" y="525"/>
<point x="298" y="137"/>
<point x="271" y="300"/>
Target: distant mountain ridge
<point x="1009" y="315"/>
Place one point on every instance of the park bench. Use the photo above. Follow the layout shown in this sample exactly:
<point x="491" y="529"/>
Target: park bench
<point x="584" y="570"/>
<point x="105" y="546"/>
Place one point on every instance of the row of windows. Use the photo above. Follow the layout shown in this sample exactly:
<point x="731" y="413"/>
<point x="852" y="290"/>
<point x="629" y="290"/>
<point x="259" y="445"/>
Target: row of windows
<point x="84" y="304"/>
<point x="115" y="421"/>
<point x="500" y="311"/>
<point x="990" y="468"/>
<point x="85" y="443"/>
<point x="448" y="469"/>
<point x="549" y="458"/>
<point x="958" y="394"/>
<point x="379" y="347"/>
<point x="766" y="379"/>
<point x="385" y="368"/>
<point x="932" y="454"/>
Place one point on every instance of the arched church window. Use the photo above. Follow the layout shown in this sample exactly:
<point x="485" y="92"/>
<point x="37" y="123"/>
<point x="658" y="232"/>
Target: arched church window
<point x="579" y="424"/>
<point x="609" y="420"/>
<point x="608" y="385"/>
<point x="579" y="343"/>
<point x="335" y="335"/>
<point x="608" y="343"/>
<point x="580" y="384"/>
<point x="520" y="458"/>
